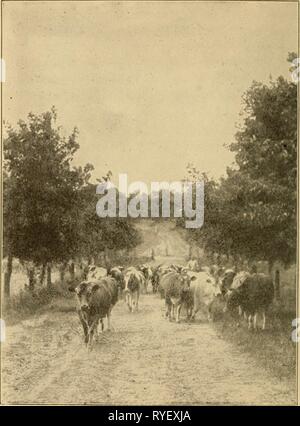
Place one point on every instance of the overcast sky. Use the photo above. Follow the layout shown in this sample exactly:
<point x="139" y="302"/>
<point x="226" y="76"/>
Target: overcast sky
<point x="151" y="86"/>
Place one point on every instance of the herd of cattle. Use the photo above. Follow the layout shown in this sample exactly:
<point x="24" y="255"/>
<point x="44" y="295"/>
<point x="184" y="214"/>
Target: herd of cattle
<point x="209" y="289"/>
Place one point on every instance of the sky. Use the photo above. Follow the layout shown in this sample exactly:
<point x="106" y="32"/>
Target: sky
<point x="151" y="86"/>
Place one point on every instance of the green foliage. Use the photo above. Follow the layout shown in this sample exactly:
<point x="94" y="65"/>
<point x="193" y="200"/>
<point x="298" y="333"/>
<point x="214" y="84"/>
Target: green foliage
<point x="41" y="190"/>
<point x="98" y="234"/>
<point x="49" y="205"/>
<point x="252" y="211"/>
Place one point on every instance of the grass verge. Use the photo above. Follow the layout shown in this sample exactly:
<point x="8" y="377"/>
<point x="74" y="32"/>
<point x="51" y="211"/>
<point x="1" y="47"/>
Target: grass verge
<point x="273" y="348"/>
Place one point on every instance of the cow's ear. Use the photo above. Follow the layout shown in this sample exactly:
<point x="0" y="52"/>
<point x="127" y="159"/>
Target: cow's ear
<point x="95" y="287"/>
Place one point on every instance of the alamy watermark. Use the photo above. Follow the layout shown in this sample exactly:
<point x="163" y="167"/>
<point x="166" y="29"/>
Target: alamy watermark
<point x="177" y="199"/>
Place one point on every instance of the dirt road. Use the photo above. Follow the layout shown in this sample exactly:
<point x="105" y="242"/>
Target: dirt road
<point x="145" y="360"/>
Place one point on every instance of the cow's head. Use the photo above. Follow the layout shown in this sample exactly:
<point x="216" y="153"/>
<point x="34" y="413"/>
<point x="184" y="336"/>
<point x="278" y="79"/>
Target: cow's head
<point x="84" y="292"/>
<point x="232" y="299"/>
<point x="185" y="281"/>
<point x="226" y="280"/>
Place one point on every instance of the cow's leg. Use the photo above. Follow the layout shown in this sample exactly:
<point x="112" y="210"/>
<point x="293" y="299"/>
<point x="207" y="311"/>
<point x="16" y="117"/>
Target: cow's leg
<point x="209" y="316"/>
<point x="92" y="328"/>
<point x="195" y="310"/>
<point x="170" y="311"/>
<point x="240" y="311"/>
<point x="255" y="321"/>
<point x="85" y="329"/>
<point x="167" y="313"/>
<point x="97" y="332"/>
<point x="178" y="313"/>
<point x="264" y="320"/>
<point x="108" y="321"/>
<point x="129" y="301"/>
<point x="137" y="296"/>
<point x="249" y="321"/>
<point x="189" y="311"/>
<point x="173" y="311"/>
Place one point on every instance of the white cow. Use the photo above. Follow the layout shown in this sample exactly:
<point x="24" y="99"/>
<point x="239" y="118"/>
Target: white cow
<point x="96" y="273"/>
<point x="205" y="289"/>
<point x="147" y="272"/>
<point x="133" y="281"/>
<point x="193" y="265"/>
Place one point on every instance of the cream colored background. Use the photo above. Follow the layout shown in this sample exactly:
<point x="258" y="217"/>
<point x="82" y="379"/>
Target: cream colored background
<point x="150" y="85"/>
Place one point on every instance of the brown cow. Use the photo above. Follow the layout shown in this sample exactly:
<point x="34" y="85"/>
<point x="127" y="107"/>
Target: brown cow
<point x="254" y="296"/>
<point x="134" y="280"/>
<point x="95" y="301"/>
<point x="176" y="287"/>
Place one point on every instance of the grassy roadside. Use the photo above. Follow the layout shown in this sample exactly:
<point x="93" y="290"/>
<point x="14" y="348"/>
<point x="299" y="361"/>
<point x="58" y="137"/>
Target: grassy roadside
<point x="25" y="304"/>
<point x="273" y="348"/>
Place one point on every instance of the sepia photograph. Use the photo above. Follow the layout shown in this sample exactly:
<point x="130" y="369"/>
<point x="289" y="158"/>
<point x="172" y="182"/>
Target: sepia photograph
<point x="149" y="204"/>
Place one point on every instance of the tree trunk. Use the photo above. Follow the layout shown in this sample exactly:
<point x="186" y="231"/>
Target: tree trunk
<point x="8" y="276"/>
<point x="277" y="285"/>
<point x="62" y="271"/>
<point x="152" y="254"/>
<point x="190" y="252"/>
<point x="43" y="274"/>
<point x="72" y="271"/>
<point x="49" y="283"/>
<point x="31" y="276"/>
<point x="270" y="265"/>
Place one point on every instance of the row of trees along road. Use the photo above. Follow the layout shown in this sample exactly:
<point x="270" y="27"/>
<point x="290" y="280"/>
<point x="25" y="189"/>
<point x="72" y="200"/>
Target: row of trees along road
<point x="50" y="205"/>
<point x="250" y="213"/>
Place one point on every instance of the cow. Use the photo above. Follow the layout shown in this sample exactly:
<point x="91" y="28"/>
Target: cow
<point x="96" y="272"/>
<point x="134" y="280"/>
<point x="193" y="265"/>
<point x="205" y="269"/>
<point x="254" y="296"/>
<point x="178" y="268"/>
<point x="160" y="271"/>
<point x="117" y="273"/>
<point x="155" y="278"/>
<point x="176" y="286"/>
<point x="226" y="280"/>
<point x="95" y="301"/>
<point x="204" y="290"/>
<point x="217" y="271"/>
<point x="232" y="280"/>
<point x="114" y="287"/>
<point x="147" y="272"/>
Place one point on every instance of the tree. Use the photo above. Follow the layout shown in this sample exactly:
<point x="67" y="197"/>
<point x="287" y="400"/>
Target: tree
<point x="252" y="211"/>
<point x="99" y="234"/>
<point x="266" y="180"/>
<point x="41" y="192"/>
